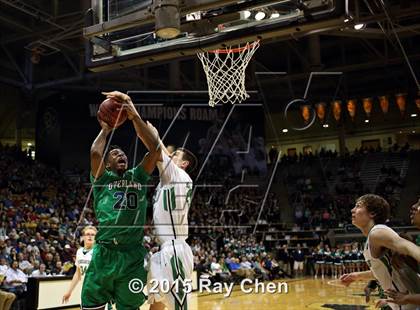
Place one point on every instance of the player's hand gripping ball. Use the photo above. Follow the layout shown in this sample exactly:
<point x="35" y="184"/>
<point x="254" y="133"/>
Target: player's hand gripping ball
<point x="111" y="112"/>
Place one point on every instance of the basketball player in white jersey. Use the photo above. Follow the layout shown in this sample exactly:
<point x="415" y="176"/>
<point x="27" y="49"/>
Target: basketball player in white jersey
<point x="369" y="215"/>
<point x="398" y="297"/>
<point x="170" y="219"/>
<point x="83" y="258"/>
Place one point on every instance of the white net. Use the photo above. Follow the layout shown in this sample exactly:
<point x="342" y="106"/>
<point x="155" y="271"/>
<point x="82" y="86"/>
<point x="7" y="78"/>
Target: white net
<point x="225" y="72"/>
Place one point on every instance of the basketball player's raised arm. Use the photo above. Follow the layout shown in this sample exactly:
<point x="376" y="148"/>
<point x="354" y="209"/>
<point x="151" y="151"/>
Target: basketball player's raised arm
<point x="387" y="239"/>
<point x="149" y="161"/>
<point x="142" y="130"/>
<point x="97" y="165"/>
<point x="160" y="143"/>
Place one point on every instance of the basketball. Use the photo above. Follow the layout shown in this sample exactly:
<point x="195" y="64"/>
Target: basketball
<point x="109" y="113"/>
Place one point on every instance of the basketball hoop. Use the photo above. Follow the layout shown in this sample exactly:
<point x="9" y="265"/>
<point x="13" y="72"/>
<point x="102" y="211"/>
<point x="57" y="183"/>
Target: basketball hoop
<point x="225" y="72"/>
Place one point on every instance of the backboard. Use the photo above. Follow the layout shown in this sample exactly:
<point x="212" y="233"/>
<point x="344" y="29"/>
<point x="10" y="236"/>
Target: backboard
<point x="123" y="33"/>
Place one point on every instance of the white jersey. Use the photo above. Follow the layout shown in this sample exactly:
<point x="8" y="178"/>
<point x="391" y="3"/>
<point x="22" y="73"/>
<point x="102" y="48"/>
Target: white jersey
<point x="174" y="261"/>
<point x="83" y="258"/>
<point x="387" y="276"/>
<point x="171" y="201"/>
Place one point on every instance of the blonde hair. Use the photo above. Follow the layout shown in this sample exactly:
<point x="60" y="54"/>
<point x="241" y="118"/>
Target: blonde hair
<point x="87" y="228"/>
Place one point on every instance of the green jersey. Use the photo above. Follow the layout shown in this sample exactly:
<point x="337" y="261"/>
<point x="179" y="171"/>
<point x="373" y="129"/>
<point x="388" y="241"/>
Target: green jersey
<point x="120" y="204"/>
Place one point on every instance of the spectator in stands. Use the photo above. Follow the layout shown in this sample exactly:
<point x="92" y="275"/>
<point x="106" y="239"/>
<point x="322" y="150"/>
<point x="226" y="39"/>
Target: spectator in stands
<point x="3" y="266"/>
<point x="16" y="280"/>
<point x="41" y="272"/>
<point x="270" y="265"/>
<point x="273" y="154"/>
<point x="235" y="268"/>
<point x="259" y="269"/>
<point x="24" y="264"/>
<point x="415" y="214"/>
<point x="247" y="267"/>
<point x="219" y="270"/>
<point x="326" y="218"/>
<point x="299" y="258"/>
<point x="203" y="270"/>
<point x="58" y="269"/>
<point x="49" y="262"/>
<point x="67" y="254"/>
<point x="284" y="261"/>
<point x="13" y="255"/>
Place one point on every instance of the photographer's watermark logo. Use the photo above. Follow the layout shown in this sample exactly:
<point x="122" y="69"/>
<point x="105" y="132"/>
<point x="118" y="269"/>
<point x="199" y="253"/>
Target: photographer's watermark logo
<point x="135" y="286"/>
<point x="246" y="286"/>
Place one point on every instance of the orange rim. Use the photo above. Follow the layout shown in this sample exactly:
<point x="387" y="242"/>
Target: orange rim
<point x="234" y="50"/>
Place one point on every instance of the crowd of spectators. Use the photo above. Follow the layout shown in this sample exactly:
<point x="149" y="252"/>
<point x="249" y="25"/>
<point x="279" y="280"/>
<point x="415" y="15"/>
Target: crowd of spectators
<point x="323" y="186"/>
<point x="236" y="258"/>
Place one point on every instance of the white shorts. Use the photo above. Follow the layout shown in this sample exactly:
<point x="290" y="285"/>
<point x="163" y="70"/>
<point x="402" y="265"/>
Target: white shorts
<point x="174" y="261"/>
<point x="298" y="265"/>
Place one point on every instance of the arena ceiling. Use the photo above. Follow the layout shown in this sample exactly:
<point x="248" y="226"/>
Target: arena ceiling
<point x="42" y="49"/>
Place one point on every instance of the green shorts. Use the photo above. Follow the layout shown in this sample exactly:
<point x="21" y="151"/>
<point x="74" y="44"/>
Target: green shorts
<point x="116" y="273"/>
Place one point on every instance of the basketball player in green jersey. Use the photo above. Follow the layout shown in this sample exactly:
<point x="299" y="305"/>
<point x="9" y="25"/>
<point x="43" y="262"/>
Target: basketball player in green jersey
<point x="116" y="272"/>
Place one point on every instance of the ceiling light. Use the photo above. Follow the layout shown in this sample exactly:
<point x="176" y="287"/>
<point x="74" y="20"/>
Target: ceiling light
<point x="246" y="14"/>
<point x="346" y="20"/>
<point x="366" y="121"/>
<point x="275" y="15"/>
<point x="285" y="130"/>
<point x="325" y="125"/>
<point x="260" y="15"/>
<point x="414" y="115"/>
<point x="167" y="21"/>
<point x="359" y="26"/>
<point x="413" y="131"/>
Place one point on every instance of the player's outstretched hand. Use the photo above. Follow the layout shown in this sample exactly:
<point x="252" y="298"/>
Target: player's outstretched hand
<point x="117" y="95"/>
<point x="130" y="109"/>
<point x="66" y="297"/>
<point x="381" y="303"/>
<point x="348" y="278"/>
<point x="396" y="297"/>
<point x="125" y="99"/>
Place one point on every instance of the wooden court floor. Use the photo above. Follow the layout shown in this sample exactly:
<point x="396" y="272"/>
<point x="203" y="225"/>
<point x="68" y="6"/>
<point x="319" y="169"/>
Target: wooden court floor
<point x="302" y="294"/>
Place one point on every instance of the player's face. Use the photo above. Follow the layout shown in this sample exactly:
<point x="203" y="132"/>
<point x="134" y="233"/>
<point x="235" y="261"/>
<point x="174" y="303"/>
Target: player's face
<point x="117" y="160"/>
<point x="415" y="214"/>
<point x="360" y="216"/>
<point x="177" y="158"/>
<point x="89" y="238"/>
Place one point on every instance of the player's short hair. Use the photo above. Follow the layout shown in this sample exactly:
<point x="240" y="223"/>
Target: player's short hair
<point x="190" y="157"/>
<point x="87" y="228"/>
<point x="110" y="149"/>
<point x="378" y="206"/>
